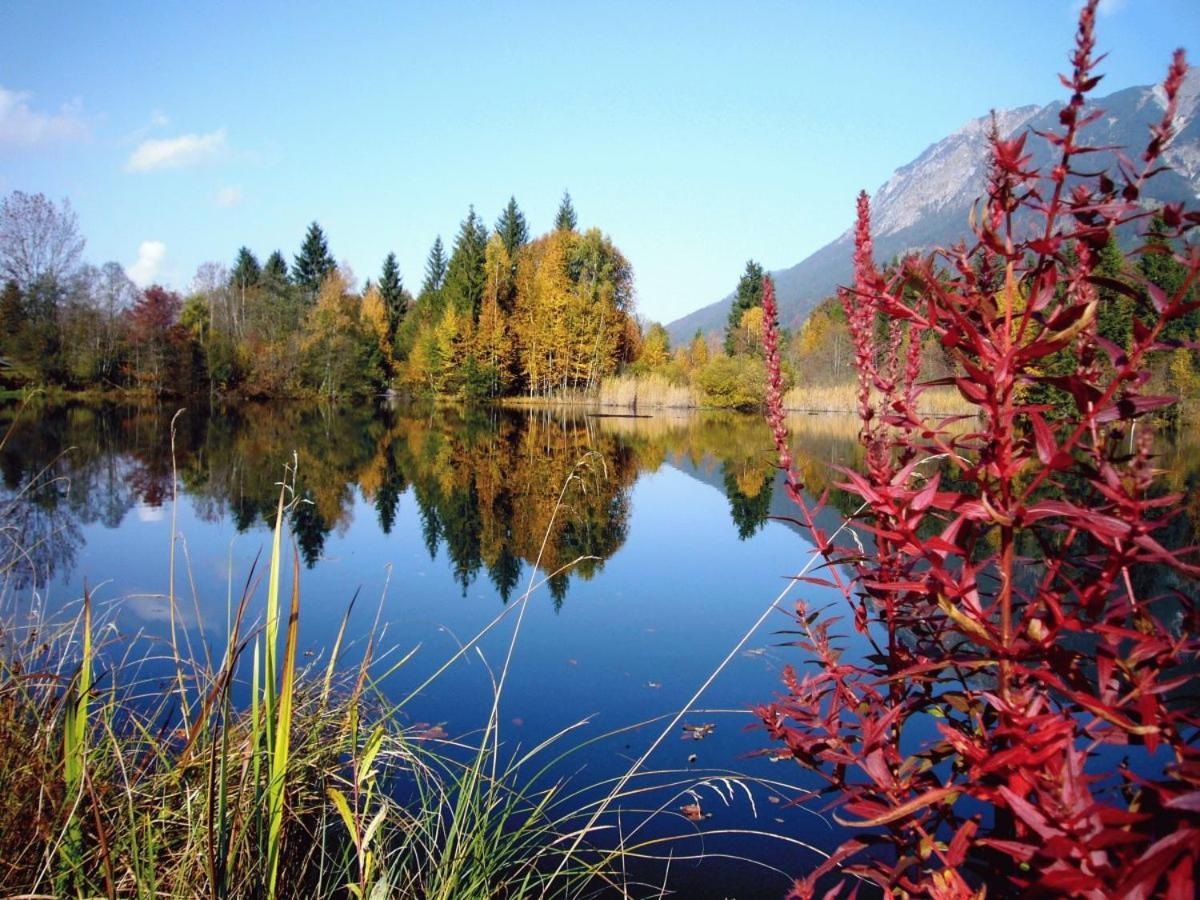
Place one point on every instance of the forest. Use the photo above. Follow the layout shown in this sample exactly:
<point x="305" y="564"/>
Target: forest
<point x="501" y="313"/>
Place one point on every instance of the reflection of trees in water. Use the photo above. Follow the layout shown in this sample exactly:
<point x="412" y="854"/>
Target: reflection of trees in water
<point x="485" y="485"/>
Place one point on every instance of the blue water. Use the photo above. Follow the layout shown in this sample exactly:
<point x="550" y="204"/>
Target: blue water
<point x="675" y="507"/>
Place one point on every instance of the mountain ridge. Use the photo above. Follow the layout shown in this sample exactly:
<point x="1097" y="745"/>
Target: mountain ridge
<point x="925" y="203"/>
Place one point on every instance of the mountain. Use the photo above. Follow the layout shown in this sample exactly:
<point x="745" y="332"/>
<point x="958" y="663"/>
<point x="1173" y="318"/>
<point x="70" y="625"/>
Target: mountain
<point x="925" y="203"/>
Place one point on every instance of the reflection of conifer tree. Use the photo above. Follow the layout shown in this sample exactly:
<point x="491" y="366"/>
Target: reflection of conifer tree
<point x="505" y="573"/>
<point x="309" y="528"/>
<point x="461" y="525"/>
<point x="244" y="512"/>
<point x="748" y="513"/>
<point x="387" y="498"/>
<point x="558" y="589"/>
<point x="431" y="525"/>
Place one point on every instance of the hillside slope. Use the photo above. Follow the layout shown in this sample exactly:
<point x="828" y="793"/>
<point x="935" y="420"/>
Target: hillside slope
<point x="926" y="202"/>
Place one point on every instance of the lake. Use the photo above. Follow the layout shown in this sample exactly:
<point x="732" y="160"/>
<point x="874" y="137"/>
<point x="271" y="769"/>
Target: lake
<point x="649" y="541"/>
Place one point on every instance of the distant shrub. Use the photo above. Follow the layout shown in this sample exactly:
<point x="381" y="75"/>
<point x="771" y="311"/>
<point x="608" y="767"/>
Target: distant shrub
<point x="732" y="382"/>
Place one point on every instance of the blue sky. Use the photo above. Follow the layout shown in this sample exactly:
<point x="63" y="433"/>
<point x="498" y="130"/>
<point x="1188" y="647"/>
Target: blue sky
<point x="696" y="134"/>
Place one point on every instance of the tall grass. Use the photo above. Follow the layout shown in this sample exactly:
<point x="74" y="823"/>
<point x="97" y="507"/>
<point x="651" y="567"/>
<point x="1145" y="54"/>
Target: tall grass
<point x="128" y="769"/>
<point x="646" y="392"/>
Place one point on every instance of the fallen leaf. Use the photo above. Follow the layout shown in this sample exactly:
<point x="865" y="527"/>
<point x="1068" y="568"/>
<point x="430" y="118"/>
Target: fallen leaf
<point x="653" y="684"/>
<point x="697" y="732"/>
<point x="693" y="813"/>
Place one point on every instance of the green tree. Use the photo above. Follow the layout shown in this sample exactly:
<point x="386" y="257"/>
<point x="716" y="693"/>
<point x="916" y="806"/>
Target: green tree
<point x="465" y="272"/>
<point x="566" y="220"/>
<point x="275" y="272"/>
<point x="1114" y="314"/>
<point x="314" y="260"/>
<point x="391" y="288"/>
<point x="246" y="270"/>
<point x="512" y="229"/>
<point x="435" y="269"/>
<point x="749" y="294"/>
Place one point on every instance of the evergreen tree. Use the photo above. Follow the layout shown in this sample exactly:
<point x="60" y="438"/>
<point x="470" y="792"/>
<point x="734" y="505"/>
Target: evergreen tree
<point x="314" y="260"/>
<point x="566" y="220"/>
<point x="391" y="288"/>
<point x="512" y="229"/>
<point x="465" y="273"/>
<point x="246" y="270"/>
<point x="1114" y="314"/>
<point x="749" y="294"/>
<point x="1164" y="271"/>
<point x="435" y="269"/>
<point x="275" y="272"/>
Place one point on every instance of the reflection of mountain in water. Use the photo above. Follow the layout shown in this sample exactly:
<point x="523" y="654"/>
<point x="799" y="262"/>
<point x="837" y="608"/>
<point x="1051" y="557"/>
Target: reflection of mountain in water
<point x="497" y="490"/>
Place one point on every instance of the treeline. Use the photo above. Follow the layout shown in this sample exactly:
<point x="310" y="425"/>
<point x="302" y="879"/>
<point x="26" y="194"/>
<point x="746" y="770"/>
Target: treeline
<point x="502" y="313"/>
<point x="817" y="356"/>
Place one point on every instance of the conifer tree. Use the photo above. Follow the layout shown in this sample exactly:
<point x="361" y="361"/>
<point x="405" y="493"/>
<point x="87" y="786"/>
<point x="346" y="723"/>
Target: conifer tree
<point x="435" y="269"/>
<point x="275" y="271"/>
<point x="748" y="295"/>
<point x="512" y="228"/>
<point x="314" y="260"/>
<point x="246" y="270"/>
<point x="391" y="288"/>
<point x="465" y="272"/>
<point x="566" y="220"/>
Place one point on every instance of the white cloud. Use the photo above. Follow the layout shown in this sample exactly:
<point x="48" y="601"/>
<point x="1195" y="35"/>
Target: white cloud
<point x="149" y="260"/>
<point x="23" y="126"/>
<point x="229" y="195"/>
<point x="172" y="153"/>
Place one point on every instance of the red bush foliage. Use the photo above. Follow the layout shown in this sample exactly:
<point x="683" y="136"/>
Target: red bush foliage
<point x="997" y="583"/>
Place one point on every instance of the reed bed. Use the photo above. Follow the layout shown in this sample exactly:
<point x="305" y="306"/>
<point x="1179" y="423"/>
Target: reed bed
<point x="646" y="392"/>
<point x="843" y="398"/>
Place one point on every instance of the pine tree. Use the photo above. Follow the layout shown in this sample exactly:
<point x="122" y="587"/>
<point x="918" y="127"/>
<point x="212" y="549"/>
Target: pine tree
<point x="314" y="260"/>
<point x="391" y="288"/>
<point x="246" y="270"/>
<point x="566" y="220"/>
<point x="749" y="294"/>
<point x="275" y="272"/>
<point x="435" y="269"/>
<point x="512" y="229"/>
<point x="1114" y="315"/>
<point x="465" y="272"/>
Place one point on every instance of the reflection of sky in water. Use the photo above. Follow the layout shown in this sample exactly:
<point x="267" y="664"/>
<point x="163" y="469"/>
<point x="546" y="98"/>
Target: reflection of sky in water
<point x="679" y="585"/>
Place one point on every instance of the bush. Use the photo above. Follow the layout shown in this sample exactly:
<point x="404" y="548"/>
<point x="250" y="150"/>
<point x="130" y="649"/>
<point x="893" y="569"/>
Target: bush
<point x="1014" y="588"/>
<point x="732" y="382"/>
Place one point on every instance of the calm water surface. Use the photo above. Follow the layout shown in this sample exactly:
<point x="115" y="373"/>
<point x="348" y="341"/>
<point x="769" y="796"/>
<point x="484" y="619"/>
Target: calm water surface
<point x="654" y="532"/>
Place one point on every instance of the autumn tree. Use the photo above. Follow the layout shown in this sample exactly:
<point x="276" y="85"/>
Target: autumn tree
<point x="493" y="342"/>
<point x="656" y="347"/>
<point x="698" y="350"/>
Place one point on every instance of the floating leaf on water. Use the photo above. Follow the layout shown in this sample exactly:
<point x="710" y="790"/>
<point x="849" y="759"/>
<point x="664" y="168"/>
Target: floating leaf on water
<point x="518" y="721"/>
<point x="698" y="732"/>
<point x="423" y="731"/>
<point x="772" y="799"/>
<point x="653" y="684"/>
<point x="693" y="813"/>
<point x="692" y="758"/>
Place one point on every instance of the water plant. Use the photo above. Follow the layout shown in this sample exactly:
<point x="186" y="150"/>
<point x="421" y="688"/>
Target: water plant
<point x="1025" y="724"/>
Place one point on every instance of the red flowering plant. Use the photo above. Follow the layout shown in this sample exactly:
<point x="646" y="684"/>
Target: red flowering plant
<point x="995" y="578"/>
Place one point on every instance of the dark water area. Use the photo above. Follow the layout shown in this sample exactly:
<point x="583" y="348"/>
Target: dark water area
<point x="653" y="538"/>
